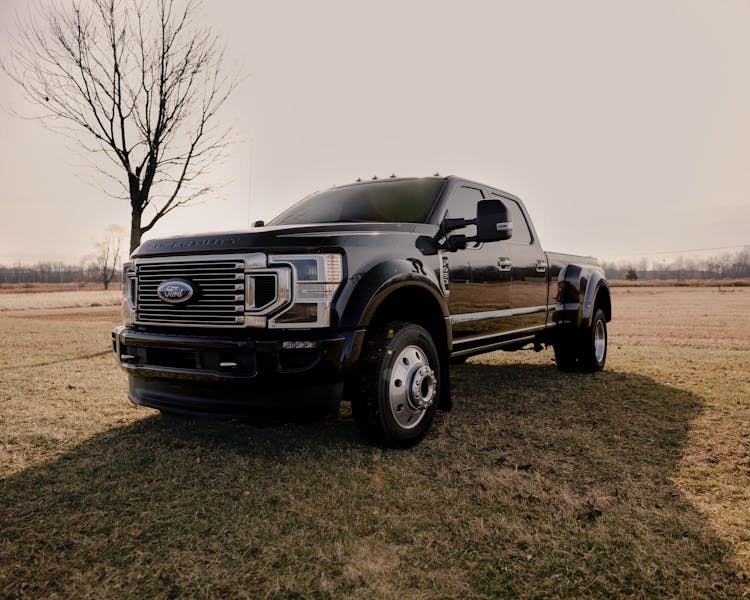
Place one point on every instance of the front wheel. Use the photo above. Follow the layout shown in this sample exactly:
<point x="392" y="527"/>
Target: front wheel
<point x="399" y="385"/>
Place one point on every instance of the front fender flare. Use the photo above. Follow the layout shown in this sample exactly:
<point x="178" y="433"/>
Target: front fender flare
<point x="372" y="288"/>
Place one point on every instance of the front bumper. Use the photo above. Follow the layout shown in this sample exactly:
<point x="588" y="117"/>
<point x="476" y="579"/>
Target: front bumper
<point x="227" y="376"/>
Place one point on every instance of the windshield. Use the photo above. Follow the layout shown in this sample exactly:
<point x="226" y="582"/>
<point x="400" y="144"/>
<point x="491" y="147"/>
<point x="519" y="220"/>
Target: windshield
<point x="398" y="201"/>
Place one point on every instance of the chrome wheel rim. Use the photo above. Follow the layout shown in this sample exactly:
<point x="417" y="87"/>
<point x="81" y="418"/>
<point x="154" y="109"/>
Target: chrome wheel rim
<point x="600" y="341"/>
<point x="412" y="387"/>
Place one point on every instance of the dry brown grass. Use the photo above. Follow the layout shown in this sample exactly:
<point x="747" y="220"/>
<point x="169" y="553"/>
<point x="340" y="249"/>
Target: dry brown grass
<point x="717" y="283"/>
<point x="35" y="288"/>
<point x="629" y="483"/>
<point x="58" y="299"/>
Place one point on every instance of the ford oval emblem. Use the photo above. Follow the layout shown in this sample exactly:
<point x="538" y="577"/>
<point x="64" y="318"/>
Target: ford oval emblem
<point x="175" y="291"/>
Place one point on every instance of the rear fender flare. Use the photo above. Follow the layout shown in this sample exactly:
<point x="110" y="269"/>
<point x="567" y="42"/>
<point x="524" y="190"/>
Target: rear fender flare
<point x="596" y="290"/>
<point x="578" y="291"/>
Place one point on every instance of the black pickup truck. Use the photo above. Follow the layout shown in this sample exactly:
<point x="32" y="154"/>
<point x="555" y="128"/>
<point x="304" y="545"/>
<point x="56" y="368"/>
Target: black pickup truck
<point x="365" y="292"/>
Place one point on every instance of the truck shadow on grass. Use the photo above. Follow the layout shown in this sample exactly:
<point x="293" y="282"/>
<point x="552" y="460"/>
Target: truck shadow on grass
<point x="537" y="484"/>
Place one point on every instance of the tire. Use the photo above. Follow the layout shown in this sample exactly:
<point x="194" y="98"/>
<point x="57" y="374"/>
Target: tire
<point x="584" y="350"/>
<point x="593" y="344"/>
<point x="398" y="387"/>
<point x="566" y="352"/>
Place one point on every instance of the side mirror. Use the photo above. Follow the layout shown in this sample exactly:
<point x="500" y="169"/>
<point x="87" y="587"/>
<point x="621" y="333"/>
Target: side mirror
<point x="493" y="221"/>
<point x="258" y="223"/>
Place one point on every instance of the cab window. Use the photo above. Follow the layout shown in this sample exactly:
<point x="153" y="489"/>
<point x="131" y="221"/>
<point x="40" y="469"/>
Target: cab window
<point x="462" y="204"/>
<point x="521" y="231"/>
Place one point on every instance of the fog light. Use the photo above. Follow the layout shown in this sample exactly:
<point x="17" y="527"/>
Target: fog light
<point x="299" y="345"/>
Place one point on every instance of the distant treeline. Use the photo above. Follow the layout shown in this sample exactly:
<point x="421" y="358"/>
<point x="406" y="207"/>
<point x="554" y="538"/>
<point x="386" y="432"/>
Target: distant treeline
<point x="726" y="266"/>
<point x="49" y="272"/>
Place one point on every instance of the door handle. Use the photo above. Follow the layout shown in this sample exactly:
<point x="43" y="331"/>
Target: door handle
<point x="504" y="264"/>
<point x="541" y="266"/>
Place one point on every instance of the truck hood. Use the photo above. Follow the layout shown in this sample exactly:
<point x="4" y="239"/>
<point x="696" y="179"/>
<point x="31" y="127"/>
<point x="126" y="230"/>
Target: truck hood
<point x="283" y="238"/>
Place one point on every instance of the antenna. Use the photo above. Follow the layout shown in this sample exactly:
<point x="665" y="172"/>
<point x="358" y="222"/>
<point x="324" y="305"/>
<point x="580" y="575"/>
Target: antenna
<point x="250" y="182"/>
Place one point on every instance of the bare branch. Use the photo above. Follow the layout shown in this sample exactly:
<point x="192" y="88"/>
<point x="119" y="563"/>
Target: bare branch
<point x="141" y="84"/>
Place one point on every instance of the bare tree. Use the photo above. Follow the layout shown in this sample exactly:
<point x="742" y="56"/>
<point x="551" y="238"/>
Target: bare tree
<point x="107" y="255"/>
<point x="742" y="262"/>
<point x="140" y="84"/>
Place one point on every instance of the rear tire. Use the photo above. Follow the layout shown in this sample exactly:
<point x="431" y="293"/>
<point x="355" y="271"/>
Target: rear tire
<point x="566" y="352"/>
<point x="398" y="387"/>
<point x="593" y="345"/>
<point x="583" y="350"/>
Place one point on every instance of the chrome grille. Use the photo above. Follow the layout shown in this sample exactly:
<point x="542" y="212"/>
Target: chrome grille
<point x="219" y="299"/>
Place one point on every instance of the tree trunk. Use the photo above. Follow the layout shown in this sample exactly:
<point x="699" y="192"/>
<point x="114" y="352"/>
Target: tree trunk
<point x="135" y="229"/>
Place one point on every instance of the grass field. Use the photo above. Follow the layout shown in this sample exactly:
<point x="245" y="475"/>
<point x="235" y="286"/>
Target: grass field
<point x="36" y="288"/>
<point x="634" y="482"/>
<point x="24" y="301"/>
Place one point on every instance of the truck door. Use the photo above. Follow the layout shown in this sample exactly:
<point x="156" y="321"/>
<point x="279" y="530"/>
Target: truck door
<point x="480" y="287"/>
<point x="528" y="294"/>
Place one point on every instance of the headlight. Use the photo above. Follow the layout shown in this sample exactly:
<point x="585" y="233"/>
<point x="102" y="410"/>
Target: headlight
<point x="316" y="277"/>
<point x="127" y="306"/>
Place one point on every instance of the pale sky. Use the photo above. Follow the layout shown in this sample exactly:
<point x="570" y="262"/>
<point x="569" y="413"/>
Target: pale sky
<point x="624" y="126"/>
